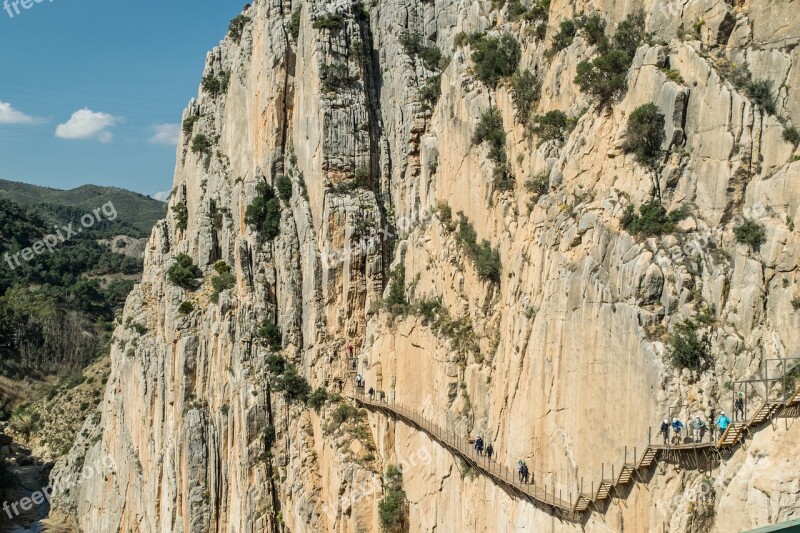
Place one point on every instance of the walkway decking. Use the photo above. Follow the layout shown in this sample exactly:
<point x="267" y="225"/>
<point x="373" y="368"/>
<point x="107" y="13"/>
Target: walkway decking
<point x="572" y="504"/>
<point x="500" y="474"/>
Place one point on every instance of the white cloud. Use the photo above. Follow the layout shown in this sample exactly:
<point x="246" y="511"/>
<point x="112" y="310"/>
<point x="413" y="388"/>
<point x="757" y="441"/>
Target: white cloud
<point x="160" y="196"/>
<point x="9" y="115"/>
<point x="87" y="124"/>
<point x="166" y="134"/>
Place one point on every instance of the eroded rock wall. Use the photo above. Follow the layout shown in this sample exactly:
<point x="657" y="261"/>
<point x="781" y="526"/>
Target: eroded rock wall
<point x="570" y="366"/>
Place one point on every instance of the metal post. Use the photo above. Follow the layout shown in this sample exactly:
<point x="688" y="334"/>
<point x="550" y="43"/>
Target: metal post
<point x="783" y="368"/>
<point x="746" y="400"/>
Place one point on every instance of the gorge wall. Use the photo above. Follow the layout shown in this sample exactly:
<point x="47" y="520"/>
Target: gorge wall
<point x="560" y="361"/>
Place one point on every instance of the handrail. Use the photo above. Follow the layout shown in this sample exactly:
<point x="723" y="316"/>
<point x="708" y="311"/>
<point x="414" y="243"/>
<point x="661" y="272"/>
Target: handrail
<point x="577" y="499"/>
<point x="547" y="495"/>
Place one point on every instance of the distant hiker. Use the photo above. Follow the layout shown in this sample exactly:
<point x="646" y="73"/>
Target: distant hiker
<point x="371" y="393"/>
<point x="677" y="427"/>
<point x="665" y="431"/>
<point x="359" y="381"/>
<point x="525" y="473"/>
<point x="383" y="397"/>
<point x="723" y="422"/>
<point x="489" y="451"/>
<point x="479" y="446"/>
<point x="522" y="469"/>
<point x="352" y="364"/>
<point x="738" y="407"/>
<point x="698" y="429"/>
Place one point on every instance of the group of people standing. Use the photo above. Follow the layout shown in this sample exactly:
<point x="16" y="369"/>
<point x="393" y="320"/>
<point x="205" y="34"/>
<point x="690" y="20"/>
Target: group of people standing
<point x="697" y="426"/>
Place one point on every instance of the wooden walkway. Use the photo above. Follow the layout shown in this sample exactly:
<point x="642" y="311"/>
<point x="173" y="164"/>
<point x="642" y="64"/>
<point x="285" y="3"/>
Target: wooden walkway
<point x="572" y="504"/>
<point x="501" y="475"/>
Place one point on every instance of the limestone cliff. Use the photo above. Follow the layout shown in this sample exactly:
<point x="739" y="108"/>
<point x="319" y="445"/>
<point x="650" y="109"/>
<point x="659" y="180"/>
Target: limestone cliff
<point x="560" y="360"/>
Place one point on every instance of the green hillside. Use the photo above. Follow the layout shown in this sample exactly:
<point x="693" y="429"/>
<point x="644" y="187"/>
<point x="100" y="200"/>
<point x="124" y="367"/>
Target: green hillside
<point x="135" y="210"/>
<point x="58" y="304"/>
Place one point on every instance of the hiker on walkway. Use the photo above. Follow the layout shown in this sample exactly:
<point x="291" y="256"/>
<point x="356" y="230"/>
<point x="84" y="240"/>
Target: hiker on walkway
<point x="479" y="446"/>
<point x="359" y="381"/>
<point x="738" y="407"/>
<point x="383" y="397"/>
<point x="525" y="474"/>
<point x="723" y="422"/>
<point x="350" y="350"/>
<point x="522" y="469"/>
<point x="698" y="429"/>
<point x="371" y="393"/>
<point x="665" y="431"/>
<point x="489" y="451"/>
<point x="677" y="427"/>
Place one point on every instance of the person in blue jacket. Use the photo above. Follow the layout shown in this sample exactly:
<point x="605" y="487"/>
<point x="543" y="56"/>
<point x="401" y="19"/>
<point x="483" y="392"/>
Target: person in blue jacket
<point x="723" y="422"/>
<point x="677" y="427"/>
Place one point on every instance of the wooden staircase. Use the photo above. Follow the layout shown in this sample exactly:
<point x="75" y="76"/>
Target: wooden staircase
<point x="731" y="435"/>
<point x="794" y="397"/>
<point x="736" y="431"/>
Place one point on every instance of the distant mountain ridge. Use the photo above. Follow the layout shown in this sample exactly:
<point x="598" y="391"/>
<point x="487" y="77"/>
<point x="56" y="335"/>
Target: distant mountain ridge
<point x="137" y="210"/>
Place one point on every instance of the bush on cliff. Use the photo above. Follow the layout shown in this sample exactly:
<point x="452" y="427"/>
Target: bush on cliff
<point x="490" y="130"/>
<point x="751" y="233"/>
<point x="485" y="258"/>
<point x="391" y="508"/>
<point x="552" y="126"/>
<point x="645" y="134"/>
<point x="183" y="272"/>
<point x="564" y="37"/>
<point x="396" y="302"/>
<point x="495" y="58"/>
<point x="652" y="219"/>
<point x="686" y="348"/>
<point x="264" y="213"/>
<point x="270" y="333"/>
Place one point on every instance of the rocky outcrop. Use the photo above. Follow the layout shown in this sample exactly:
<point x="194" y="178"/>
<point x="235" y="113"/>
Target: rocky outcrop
<point x="562" y="362"/>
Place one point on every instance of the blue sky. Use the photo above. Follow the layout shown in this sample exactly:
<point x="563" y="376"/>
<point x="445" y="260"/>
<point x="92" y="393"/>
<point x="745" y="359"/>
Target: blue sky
<point x="91" y="91"/>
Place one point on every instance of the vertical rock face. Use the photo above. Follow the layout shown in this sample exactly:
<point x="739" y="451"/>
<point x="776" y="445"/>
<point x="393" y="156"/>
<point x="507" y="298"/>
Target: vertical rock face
<point x="562" y="361"/>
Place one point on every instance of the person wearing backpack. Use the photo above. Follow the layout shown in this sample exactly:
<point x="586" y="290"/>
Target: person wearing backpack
<point x="738" y="407"/>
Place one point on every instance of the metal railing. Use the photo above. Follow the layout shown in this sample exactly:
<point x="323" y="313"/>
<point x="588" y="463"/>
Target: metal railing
<point x="688" y="436"/>
<point x="572" y="494"/>
<point x="540" y="487"/>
